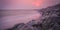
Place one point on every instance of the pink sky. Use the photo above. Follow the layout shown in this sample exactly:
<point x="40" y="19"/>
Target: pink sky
<point x="28" y="4"/>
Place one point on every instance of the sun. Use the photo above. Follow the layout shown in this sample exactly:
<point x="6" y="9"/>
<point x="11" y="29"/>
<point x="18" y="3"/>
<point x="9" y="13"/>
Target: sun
<point x="36" y="3"/>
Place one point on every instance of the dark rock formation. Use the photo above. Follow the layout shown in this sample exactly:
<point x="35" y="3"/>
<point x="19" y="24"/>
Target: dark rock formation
<point x="51" y="18"/>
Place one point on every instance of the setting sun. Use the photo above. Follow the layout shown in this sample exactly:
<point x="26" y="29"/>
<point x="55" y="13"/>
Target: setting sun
<point x="36" y="3"/>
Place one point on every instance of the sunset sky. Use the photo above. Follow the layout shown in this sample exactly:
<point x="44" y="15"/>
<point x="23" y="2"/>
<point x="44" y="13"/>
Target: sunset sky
<point x="27" y="4"/>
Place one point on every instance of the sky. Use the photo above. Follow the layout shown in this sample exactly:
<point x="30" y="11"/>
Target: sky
<point x="27" y="4"/>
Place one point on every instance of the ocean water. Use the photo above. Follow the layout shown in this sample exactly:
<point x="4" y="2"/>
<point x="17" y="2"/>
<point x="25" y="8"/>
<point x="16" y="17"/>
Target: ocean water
<point x="11" y="17"/>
